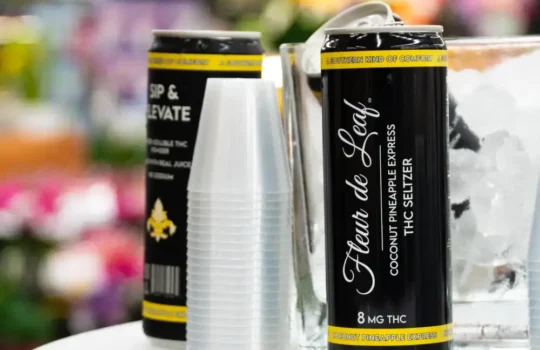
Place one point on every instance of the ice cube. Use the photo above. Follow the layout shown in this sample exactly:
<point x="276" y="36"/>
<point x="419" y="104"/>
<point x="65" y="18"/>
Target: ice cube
<point x="464" y="172"/>
<point x="511" y="157"/>
<point x="488" y="109"/>
<point x="464" y="82"/>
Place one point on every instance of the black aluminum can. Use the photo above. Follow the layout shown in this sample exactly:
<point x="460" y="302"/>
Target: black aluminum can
<point x="386" y="130"/>
<point x="179" y="64"/>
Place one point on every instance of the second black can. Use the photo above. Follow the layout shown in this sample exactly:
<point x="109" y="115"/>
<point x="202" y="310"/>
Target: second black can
<point x="385" y="122"/>
<point x="179" y="65"/>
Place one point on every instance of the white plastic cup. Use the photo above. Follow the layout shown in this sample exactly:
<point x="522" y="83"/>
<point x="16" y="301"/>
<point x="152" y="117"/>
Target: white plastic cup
<point x="231" y="255"/>
<point x="285" y="211"/>
<point x="239" y="205"/>
<point x="237" y="318"/>
<point x="268" y="294"/>
<point x="269" y="335"/>
<point x="225" y="259"/>
<point x="240" y="147"/>
<point x="222" y="242"/>
<point x="239" y="198"/>
<point x="232" y="318"/>
<point x="241" y="344"/>
<point x="247" y="233"/>
<point x="240" y="222"/>
<point x="215" y="288"/>
<point x="266" y="304"/>
<point x="205" y="267"/>
<point x="235" y="332"/>
<point x="253" y="273"/>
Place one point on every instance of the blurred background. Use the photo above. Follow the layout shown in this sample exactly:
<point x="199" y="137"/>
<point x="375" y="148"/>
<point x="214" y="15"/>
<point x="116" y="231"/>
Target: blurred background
<point x="72" y="102"/>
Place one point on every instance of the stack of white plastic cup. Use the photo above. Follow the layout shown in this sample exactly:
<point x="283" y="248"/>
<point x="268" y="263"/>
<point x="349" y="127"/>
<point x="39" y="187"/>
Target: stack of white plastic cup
<point x="239" y="221"/>
<point x="534" y="277"/>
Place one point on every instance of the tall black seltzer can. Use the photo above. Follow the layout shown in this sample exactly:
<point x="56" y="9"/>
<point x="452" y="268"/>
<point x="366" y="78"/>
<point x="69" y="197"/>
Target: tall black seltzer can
<point x="385" y="137"/>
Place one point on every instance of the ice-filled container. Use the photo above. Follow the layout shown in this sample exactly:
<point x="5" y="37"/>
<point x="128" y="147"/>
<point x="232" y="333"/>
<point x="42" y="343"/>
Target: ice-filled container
<point x="494" y="164"/>
<point x="496" y="86"/>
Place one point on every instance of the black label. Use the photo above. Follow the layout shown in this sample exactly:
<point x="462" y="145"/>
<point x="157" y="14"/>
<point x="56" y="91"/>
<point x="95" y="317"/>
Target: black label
<point x="387" y="200"/>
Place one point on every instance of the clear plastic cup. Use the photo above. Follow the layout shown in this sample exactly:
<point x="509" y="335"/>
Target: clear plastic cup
<point x="222" y="242"/>
<point x="239" y="198"/>
<point x="239" y="268"/>
<point x="225" y="321"/>
<point x="206" y="316"/>
<point x="238" y="254"/>
<point x="241" y="344"/>
<point x="260" y="307"/>
<point x="239" y="205"/>
<point x="252" y="274"/>
<point x="239" y="330"/>
<point x="240" y="222"/>
<point x="271" y="293"/>
<point x="235" y="250"/>
<point x="255" y="293"/>
<point x="222" y="261"/>
<point x="272" y="256"/>
<point x="240" y="227"/>
<point x="217" y="303"/>
<point x="204" y="307"/>
<point x="267" y="335"/>
<point x="238" y="318"/>
<point x="201" y="266"/>
<point x="249" y="273"/>
<point x="242" y="237"/>
<point x="230" y="212"/>
<point x="234" y="274"/>
<point x="216" y="287"/>
<point x="240" y="147"/>
<point x="246" y="233"/>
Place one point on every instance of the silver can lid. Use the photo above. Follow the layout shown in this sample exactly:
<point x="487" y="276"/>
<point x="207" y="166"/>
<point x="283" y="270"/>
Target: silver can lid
<point x="386" y="29"/>
<point x="206" y="34"/>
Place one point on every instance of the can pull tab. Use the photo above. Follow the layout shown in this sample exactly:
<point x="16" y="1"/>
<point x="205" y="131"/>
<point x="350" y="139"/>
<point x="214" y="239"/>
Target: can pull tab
<point x="372" y="13"/>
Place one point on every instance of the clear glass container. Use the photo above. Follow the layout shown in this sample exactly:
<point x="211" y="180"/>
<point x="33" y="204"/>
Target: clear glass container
<point x="495" y="84"/>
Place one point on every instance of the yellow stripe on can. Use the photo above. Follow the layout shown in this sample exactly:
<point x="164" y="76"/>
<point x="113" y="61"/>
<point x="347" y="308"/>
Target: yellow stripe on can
<point x="164" y="313"/>
<point x="205" y="62"/>
<point x="390" y="337"/>
<point x="384" y="59"/>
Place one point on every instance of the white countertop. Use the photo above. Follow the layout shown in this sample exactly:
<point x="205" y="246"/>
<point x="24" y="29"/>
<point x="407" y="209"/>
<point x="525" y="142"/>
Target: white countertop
<point x="473" y="321"/>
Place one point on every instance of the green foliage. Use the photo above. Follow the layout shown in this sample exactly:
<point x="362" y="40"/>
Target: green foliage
<point x="300" y="29"/>
<point x="23" y="319"/>
<point x="107" y="150"/>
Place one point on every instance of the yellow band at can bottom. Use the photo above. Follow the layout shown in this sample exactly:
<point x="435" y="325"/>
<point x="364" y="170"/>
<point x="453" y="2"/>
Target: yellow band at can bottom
<point x="390" y="337"/>
<point x="164" y="313"/>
